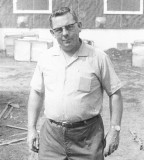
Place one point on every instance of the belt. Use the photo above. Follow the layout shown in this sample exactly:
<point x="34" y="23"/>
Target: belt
<point x="75" y="124"/>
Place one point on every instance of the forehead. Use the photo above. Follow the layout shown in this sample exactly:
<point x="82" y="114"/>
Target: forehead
<point x="63" y="20"/>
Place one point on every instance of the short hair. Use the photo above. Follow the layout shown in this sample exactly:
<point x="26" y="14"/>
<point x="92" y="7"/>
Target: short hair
<point x="60" y="12"/>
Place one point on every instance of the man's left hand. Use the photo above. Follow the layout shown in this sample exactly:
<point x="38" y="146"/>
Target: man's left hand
<point x="112" y="142"/>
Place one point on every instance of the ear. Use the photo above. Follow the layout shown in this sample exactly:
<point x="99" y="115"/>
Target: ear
<point x="80" y="26"/>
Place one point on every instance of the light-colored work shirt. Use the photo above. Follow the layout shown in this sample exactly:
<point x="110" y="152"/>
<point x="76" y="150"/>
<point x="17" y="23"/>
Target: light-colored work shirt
<point x="74" y="90"/>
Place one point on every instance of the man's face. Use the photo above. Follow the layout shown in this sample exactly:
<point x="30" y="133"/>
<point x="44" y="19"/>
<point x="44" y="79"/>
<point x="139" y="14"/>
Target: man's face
<point x="66" y="31"/>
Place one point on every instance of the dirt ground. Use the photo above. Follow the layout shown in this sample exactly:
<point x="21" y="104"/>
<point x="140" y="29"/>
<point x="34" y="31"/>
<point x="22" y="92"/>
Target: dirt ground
<point x="14" y="87"/>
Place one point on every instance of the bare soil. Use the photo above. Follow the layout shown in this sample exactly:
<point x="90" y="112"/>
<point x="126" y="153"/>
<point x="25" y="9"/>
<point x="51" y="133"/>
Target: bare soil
<point x="14" y="86"/>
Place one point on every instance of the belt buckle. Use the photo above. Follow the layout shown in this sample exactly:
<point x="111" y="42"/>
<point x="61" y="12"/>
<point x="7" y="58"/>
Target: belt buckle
<point x="64" y="124"/>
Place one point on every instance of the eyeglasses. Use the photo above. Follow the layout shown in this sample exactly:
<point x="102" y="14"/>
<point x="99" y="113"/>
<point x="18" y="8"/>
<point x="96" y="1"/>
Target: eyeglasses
<point x="69" y="27"/>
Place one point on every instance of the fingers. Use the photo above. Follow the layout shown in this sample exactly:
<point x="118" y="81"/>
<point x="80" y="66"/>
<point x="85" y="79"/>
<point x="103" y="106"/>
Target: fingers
<point x="37" y="143"/>
<point x="112" y="142"/>
<point x="33" y="144"/>
<point x="106" y="152"/>
<point x="34" y="149"/>
<point x="109" y="150"/>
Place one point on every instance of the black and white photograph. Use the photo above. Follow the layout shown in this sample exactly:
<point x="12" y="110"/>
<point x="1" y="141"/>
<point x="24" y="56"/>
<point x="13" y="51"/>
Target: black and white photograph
<point x="71" y="80"/>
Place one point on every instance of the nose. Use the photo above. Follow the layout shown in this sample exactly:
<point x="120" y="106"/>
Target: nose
<point x="65" y="31"/>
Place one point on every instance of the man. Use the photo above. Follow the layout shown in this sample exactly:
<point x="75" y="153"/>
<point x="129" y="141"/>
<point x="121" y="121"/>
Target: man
<point x="71" y="78"/>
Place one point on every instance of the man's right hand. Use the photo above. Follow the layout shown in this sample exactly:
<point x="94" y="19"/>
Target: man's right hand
<point x="33" y="140"/>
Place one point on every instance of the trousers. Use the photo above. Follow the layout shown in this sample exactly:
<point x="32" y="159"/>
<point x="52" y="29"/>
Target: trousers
<point x="79" y="143"/>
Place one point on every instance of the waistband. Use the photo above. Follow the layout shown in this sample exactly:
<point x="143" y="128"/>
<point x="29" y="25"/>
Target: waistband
<point x="75" y="124"/>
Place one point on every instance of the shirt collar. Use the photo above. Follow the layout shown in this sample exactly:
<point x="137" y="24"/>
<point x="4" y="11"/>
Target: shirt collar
<point x="56" y="51"/>
<point x="82" y="52"/>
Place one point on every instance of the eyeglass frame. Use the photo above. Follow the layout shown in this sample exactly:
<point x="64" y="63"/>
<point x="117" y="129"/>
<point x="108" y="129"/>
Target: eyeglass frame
<point x="60" y="29"/>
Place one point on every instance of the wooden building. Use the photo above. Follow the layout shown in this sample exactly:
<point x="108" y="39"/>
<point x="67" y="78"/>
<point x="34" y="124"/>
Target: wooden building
<point x="119" y="21"/>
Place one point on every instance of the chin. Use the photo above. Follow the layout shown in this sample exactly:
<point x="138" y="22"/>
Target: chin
<point x="67" y="49"/>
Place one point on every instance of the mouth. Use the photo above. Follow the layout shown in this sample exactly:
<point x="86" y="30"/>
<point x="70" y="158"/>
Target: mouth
<point x="67" y="41"/>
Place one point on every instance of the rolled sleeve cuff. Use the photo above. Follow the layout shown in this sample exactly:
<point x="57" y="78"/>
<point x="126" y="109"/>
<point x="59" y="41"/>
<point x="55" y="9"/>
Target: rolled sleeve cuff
<point x="115" y="88"/>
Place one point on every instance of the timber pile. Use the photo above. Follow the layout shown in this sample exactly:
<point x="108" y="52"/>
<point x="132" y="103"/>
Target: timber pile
<point x="15" y="140"/>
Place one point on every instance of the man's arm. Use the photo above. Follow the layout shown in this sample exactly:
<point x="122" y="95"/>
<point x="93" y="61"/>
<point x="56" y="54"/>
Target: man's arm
<point x="116" y="110"/>
<point x="34" y="107"/>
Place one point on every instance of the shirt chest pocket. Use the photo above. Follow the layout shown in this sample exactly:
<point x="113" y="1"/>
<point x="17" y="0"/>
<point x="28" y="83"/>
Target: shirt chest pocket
<point x="87" y="82"/>
<point x="84" y="84"/>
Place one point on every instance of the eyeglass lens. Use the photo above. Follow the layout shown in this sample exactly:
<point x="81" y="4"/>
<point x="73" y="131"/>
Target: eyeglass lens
<point x="68" y="28"/>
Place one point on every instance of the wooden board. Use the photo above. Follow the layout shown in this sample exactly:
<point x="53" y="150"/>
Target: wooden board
<point x="87" y="10"/>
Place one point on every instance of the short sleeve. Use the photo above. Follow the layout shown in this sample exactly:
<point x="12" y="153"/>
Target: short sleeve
<point x="110" y="81"/>
<point x="37" y="82"/>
